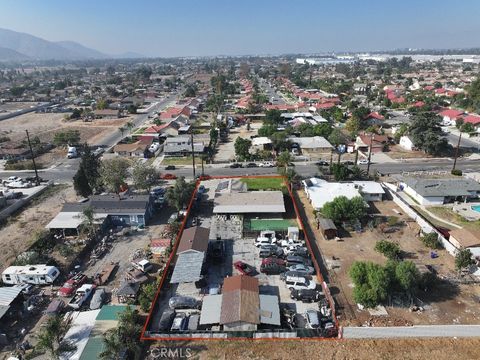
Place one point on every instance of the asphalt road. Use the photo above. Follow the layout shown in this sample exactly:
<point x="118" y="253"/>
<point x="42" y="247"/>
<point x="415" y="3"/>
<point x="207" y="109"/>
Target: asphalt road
<point x="273" y="96"/>
<point x="464" y="143"/>
<point x="65" y="171"/>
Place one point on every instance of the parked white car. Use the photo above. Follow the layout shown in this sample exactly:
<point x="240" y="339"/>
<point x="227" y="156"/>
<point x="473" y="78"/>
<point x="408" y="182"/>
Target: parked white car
<point x="363" y="162"/>
<point x="266" y="164"/>
<point x="261" y="240"/>
<point x="19" y="185"/>
<point x="299" y="283"/>
<point x="289" y="243"/>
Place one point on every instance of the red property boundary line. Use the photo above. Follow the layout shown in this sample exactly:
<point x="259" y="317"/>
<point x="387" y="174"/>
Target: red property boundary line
<point x="174" y="251"/>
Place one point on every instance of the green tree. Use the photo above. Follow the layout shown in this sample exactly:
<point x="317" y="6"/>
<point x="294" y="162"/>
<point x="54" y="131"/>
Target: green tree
<point x="180" y="194"/>
<point x="463" y="259"/>
<point x="430" y="240"/>
<point x="89" y="225"/>
<point x="341" y="208"/>
<point x="289" y="173"/>
<point x="336" y="137"/>
<point x="407" y="276"/>
<point x="112" y="345"/>
<point x="146" y="296"/>
<point x="101" y="104"/>
<point x="143" y="175"/>
<point x="132" y="109"/>
<point x="114" y="173"/>
<point x="50" y="337"/>
<point x="426" y="133"/>
<point x="242" y="148"/>
<point x="273" y="117"/>
<point x="371" y="283"/>
<point x="80" y="183"/>
<point x="389" y="249"/>
<point x="340" y="172"/>
<point x="87" y="177"/>
<point x="284" y="159"/>
<point x="125" y="337"/>
<point x="353" y="126"/>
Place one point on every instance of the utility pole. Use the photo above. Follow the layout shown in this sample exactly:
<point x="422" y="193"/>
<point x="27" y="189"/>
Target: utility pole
<point x="203" y="171"/>
<point x="456" y="150"/>
<point x="193" y="155"/>
<point x="37" y="181"/>
<point x="370" y="153"/>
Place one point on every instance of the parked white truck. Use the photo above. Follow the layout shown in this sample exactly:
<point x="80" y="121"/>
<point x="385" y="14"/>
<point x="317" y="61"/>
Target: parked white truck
<point x="81" y="295"/>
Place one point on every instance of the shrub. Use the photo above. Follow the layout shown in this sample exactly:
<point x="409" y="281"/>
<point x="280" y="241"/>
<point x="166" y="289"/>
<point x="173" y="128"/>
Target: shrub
<point x="430" y="240"/>
<point x="463" y="259"/>
<point x="456" y="172"/>
<point x="392" y="220"/>
<point x="390" y="249"/>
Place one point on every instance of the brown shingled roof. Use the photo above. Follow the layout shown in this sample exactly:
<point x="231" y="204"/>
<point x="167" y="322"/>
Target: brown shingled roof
<point x="240" y="305"/>
<point x="240" y="282"/>
<point x="194" y="238"/>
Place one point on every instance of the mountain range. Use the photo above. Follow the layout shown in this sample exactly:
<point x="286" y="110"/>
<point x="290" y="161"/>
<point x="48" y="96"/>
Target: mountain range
<point x="17" y="46"/>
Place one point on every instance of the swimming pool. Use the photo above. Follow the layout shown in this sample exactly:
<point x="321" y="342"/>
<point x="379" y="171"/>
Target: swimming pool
<point x="476" y="208"/>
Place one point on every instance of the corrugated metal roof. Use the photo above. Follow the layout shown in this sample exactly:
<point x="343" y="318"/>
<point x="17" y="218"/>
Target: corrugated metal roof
<point x="188" y="267"/>
<point x="8" y="294"/>
<point x="211" y="310"/>
<point x="3" y="310"/>
<point x="249" y="202"/>
<point x="269" y="310"/>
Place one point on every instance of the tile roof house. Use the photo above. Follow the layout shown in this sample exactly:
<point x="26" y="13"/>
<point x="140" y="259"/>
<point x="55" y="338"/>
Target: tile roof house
<point x="374" y="118"/>
<point x="450" y="116"/>
<point x="465" y="239"/>
<point x="472" y="119"/>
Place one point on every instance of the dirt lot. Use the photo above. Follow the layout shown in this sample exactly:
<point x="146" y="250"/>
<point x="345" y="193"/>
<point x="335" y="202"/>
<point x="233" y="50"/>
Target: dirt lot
<point x="410" y="349"/>
<point x="46" y="125"/>
<point x="17" y="234"/>
<point x="447" y="304"/>
<point x="226" y="150"/>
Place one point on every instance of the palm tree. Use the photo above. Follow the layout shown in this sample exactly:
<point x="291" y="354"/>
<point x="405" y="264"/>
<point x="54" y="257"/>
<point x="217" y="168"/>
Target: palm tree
<point x="88" y="223"/>
<point x="51" y="337"/>
<point x="284" y="159"/>
<point x="112" y="345"/>
<point x="130" y="125"/>
<point x="121" y="129"/>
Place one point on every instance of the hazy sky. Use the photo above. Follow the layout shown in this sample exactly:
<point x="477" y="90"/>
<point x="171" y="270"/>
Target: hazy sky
<point x="215" y="27"/>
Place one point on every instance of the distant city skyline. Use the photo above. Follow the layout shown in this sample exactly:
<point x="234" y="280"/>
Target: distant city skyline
<point x="247" y="27"/>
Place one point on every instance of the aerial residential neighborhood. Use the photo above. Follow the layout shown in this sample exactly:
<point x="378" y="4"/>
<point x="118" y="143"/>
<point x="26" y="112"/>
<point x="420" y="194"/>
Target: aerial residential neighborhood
<point x="199" y="189"/>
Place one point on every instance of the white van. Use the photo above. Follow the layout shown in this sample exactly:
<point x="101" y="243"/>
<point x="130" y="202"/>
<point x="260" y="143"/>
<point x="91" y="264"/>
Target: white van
<point x="72" y="152"/>
<point x="299" y="283"/>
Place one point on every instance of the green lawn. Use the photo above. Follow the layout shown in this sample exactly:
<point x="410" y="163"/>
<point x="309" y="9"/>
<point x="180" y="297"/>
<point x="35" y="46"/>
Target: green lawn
<point x="269" y="183"/>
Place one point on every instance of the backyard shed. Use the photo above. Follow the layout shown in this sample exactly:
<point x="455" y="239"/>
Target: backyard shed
<point x="327" y="228"/>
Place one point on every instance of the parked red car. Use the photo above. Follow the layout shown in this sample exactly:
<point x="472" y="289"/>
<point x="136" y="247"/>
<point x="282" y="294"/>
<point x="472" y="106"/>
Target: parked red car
<point x="168" y="176"/>
<point x="244" y="268"/>
<point x="71" y="285"/>
<point x="272" y="260"/>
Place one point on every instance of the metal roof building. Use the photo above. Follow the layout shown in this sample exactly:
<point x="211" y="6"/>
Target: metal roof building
<point x="251" y="202"/>
<point x="188" y="267"/>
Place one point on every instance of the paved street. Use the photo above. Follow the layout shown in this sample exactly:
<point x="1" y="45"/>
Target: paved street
<point x="411" y="331"/>
<point x="65" y="171"/>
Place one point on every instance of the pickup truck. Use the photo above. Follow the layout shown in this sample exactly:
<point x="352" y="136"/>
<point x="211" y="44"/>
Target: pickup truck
<point x="143" y="265"/>
<point x="81" y="295"/>
<point x="72" y="284"/>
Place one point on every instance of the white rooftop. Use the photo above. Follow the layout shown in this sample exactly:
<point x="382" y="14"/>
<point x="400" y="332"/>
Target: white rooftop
<point x="323" y="191"/>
